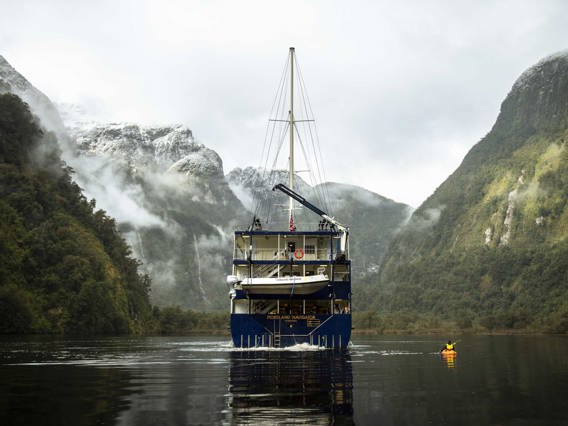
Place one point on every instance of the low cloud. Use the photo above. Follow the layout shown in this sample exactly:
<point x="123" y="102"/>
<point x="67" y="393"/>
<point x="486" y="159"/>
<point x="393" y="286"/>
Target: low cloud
<point x="101" y="180"/>
<point x="425" y="220"/>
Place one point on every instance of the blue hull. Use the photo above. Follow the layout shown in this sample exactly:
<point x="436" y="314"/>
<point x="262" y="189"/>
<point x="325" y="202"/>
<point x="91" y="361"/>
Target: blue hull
<point x="253" y="331"/>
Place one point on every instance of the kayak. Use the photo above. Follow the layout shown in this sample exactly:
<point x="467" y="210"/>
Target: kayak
<point x="447" y="352"/>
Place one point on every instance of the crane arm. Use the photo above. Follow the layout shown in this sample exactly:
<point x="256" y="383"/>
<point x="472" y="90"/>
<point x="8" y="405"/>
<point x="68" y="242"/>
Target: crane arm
<point x="292" y="194"/>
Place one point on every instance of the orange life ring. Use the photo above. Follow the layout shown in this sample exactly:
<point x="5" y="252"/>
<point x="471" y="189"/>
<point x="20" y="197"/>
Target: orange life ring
<point x="298" y="253"/>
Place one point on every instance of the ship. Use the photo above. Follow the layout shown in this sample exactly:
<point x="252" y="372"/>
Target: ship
<point x="290" y="282"/>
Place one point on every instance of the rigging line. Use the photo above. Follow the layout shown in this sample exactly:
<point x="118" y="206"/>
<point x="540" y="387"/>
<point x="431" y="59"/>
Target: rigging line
<point x="273" y="125"/>
<point x="277" y="105"/>
<point x="309" y="137"/>
<point x="280" y="110"/>
<point x="268" y="154"/>
<point x="321" y="190"/>
<point x="318" y="169"/>
<point x="300" y="140"/>
<point x="317" y="174"/>
<point x="268" y="171"/>
<point x="312" y="180"/>
<point x="302" y="134"/>
<point x="277" y="95"/>
<point x="315" y="141"/>
<point x="324" y="188"/>
<point x="295" y="121"/>
<point x="281" y="142"/>
<point x="272" y="173"/>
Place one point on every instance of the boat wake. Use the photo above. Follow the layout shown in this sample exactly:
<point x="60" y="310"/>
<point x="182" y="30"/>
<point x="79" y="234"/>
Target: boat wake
<point x="300" y="347"/>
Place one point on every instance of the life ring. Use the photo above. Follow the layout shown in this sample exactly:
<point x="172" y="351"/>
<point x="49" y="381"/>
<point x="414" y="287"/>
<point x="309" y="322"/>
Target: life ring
<point x="298" y="253"/>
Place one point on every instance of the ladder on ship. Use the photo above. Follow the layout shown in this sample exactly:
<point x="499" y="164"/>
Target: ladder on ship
<point x="268" y="271"/>
<point x="277" y="334"/>
<point x="276" y="339"/>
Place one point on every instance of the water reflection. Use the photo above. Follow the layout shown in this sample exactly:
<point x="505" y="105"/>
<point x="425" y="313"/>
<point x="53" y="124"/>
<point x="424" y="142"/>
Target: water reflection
<point x="495" y="380"/>
<point x="449" y="359"/>
<point x="60" y="395"/>
<point x="279" y="387"/>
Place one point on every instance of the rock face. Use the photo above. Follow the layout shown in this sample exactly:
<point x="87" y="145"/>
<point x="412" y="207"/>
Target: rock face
<point x="481" y="246"/>
<point x="533" y="102"/>
<point x="11" y="81"/>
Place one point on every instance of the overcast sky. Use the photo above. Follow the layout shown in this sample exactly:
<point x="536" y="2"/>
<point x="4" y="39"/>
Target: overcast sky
<point x="401" y="90"/>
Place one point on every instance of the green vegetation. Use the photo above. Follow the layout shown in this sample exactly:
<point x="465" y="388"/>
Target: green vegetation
<point x="487" y="252"/>
<point x="64" y="267"/>
<point x="489" y="249"/>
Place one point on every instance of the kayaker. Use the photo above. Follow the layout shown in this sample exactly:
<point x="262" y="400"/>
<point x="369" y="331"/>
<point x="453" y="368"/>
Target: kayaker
<point x="448" y="346"/>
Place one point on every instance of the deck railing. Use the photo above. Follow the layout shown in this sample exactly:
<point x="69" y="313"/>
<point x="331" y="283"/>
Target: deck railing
<point x="271" y="254"/>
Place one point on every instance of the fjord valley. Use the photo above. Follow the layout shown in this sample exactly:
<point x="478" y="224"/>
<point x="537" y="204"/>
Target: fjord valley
<point x="173" y="205"/>
<point x="485" y="252"/>
<point x="250" y="213"/>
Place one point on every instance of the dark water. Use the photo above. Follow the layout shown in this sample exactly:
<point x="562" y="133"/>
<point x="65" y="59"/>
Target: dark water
<point x="500" y="380"/>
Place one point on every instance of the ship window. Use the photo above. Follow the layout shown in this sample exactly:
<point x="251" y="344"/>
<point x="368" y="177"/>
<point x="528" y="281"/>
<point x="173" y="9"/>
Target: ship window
<point x="310" y="249"/>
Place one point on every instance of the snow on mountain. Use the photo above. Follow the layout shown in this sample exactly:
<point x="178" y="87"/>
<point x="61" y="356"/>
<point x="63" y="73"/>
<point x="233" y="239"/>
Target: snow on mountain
<point x="161" y="148"/>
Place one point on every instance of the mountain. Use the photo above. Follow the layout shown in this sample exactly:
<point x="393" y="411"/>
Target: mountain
<point x="64" y="267"/>
<point x="172" y="204"/>
<point x="489" y="248"/>
<point x="166" y="148"/>
<point x="166" y="192"/>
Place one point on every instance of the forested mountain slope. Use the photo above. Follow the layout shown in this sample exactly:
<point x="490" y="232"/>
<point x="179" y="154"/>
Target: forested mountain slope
<point x="489" y="248"/>
<point x="166" y="191"/>
<point x="65" y="267"/>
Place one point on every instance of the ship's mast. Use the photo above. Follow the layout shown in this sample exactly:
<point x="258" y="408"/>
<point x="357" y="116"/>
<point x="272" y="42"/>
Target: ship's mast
<point x="291" y="125"/>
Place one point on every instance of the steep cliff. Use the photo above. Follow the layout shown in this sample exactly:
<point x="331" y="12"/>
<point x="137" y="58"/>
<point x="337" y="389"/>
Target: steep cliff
<point x="11" y="81"/>
<point x="490" y="246"/>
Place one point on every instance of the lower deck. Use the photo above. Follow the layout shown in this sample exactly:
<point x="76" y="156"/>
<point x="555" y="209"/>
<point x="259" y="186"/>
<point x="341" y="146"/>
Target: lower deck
<point x="331" y="331"/>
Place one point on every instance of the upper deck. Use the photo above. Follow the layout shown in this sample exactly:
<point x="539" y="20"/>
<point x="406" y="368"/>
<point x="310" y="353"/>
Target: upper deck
<point x="261" y="246"/>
